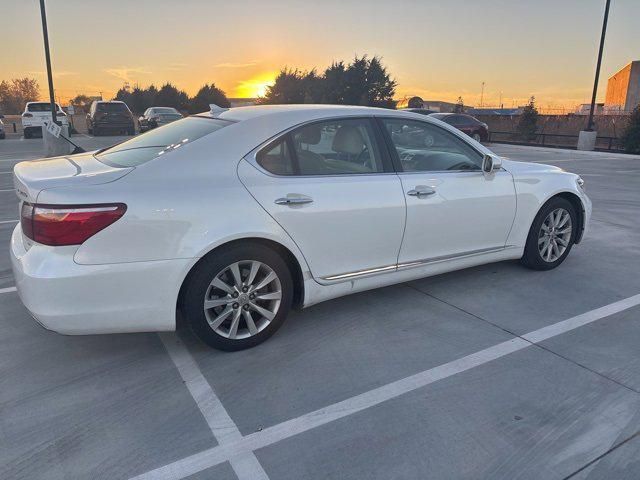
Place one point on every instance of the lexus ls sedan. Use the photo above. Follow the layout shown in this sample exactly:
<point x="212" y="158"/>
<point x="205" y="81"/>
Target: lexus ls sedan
<point x="235" y="216"/>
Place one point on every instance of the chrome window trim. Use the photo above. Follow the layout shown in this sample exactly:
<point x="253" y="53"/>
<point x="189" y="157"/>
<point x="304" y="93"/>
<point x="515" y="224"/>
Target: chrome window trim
<point x="409" y="265"/>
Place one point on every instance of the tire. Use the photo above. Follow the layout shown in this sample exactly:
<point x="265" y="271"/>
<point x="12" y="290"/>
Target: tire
<point x="95" y="132"/>
<point x="535" y="256"/>
<point x="27" y="133"/>
<point x="131" y="131"/>
<point x="218" y="267"/>
<point x="476" y="136"/>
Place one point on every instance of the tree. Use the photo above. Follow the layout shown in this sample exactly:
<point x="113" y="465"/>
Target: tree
<point x="528" y="124"/>
<point x="459" y="108"/>
<point x="16" y="93"/>
<point x="363" y="82"/>
<point x="170" y="96"/>
<point x="631" y="136"/>
<point x="207" y="95"/>
<point x="81" y="102"/>
<point x="288" y="87"/>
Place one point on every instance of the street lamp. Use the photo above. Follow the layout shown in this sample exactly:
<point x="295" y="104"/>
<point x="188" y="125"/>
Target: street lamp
<point x="47" y="56"/>
<point x="595" y="83"/>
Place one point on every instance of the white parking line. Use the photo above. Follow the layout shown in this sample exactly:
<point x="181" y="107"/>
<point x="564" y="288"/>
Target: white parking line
<point x="8" y="221"/>
<point x="224" y="429"/>
<point x="7" y="290"/>
<point x="246" y="445"/>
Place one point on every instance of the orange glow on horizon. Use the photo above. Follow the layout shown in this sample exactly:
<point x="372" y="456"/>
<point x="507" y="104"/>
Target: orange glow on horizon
<point x="255" y="86"/>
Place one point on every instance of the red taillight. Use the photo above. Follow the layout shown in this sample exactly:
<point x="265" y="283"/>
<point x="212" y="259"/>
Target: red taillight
<point x="59" y="225"/>
<point x="28" y="115"/>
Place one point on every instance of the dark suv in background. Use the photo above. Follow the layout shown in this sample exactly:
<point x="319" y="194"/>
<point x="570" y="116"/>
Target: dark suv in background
<point x="473" y="127"/>
<point x="110" y="117"/>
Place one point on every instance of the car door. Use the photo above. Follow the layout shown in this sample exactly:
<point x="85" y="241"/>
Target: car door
<point x="453" y="208"/>
<point x="331" y="186"/>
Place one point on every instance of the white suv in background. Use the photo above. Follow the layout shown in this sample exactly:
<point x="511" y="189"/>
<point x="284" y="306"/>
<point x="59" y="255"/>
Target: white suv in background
<point x="36" y="114"/>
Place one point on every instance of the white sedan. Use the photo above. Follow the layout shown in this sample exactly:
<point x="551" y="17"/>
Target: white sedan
<point x="233" y="217"/>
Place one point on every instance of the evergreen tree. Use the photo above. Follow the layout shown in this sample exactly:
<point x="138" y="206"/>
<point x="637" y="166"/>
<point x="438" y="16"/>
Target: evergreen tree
<point x="631" y="136"/>
<point x="528" y="124"/>
<point x="207" y="95"/>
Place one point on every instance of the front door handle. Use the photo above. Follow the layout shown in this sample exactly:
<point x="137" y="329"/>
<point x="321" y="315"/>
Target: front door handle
<point x="293" y="199"/>
<point x="421" y="191"/>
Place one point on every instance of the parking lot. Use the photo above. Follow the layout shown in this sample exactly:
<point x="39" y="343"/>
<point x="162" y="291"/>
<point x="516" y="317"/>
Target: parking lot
<point x="492" y="372"/>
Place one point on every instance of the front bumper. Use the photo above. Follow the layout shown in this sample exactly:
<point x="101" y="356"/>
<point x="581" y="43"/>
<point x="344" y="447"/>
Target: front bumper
<point x="75" y="299"/>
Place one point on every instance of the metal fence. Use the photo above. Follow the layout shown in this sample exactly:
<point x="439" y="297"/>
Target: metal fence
<point x="558" y="140"/>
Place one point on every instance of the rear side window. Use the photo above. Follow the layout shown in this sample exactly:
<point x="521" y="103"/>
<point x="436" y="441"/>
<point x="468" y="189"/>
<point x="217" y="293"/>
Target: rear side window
<point x="112" y="107"/>
<point x="277" y="159"/>
<point x="147" y="146"/>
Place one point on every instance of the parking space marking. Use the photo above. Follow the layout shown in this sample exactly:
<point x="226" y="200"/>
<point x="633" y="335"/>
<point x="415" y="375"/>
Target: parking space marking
<point x="222" y="426"/>
<point x="276" y="433"/>
<point x="8" y="221"/>
<point x="8" y="289"/>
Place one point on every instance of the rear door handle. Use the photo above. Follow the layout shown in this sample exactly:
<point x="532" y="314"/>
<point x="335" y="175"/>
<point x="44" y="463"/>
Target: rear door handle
<point x="421" y="191"/>
<point x="293" y="199"/>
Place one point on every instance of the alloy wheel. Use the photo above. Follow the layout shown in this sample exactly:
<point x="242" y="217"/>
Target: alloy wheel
<point x="554" y="235"/>
<point x="242" y="299"/>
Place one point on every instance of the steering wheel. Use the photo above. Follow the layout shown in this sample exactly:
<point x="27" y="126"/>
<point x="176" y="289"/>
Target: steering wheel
<point x="366" y="162"/>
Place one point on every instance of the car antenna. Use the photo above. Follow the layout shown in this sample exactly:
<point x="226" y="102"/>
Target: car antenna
<point x="216" y="110"/>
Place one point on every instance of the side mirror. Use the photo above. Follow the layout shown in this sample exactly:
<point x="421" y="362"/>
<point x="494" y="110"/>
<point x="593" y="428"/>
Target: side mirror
<point x="491" y="164"/>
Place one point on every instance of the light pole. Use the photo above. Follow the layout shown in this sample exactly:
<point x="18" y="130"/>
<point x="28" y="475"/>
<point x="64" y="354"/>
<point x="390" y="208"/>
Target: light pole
<point x="47" y="56"/>
<point x="595" y="83"/>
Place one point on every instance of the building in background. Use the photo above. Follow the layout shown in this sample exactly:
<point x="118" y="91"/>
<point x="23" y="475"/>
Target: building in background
<point x="623" y="89"/>
<point x="584" y="108"/>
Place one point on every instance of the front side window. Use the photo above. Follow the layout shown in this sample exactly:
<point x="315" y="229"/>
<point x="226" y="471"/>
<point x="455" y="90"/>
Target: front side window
<point x="423" y="147"/>
<point x="335" y="147"/>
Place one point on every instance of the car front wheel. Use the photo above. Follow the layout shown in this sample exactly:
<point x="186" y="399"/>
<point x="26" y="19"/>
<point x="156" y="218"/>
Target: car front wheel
<point x="238" y="296"/>
<point x="551" y="236"/>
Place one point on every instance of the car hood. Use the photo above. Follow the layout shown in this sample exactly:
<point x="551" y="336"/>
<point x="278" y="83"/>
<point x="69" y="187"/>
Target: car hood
<point x="33" y="176"/>
<point x="526" y="168"/>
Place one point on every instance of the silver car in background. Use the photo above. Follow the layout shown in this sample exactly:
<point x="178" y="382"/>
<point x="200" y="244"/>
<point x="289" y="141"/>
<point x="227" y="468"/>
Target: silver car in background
<point x="157" y="116"/>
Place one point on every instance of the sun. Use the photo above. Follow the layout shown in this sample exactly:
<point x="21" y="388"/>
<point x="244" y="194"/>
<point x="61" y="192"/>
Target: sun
<point x="256" y="86"/>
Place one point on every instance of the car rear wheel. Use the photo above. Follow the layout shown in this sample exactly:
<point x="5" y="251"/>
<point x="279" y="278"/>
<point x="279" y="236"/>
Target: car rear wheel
<point x="551" y="236"/>
<point x="238" y="296"/>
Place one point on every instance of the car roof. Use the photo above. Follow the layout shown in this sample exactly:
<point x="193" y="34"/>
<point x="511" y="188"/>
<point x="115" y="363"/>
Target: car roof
<point x="307" y="110"/>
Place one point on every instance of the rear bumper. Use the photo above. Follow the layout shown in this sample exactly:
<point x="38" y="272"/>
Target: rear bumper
<point x="75" y="299"/>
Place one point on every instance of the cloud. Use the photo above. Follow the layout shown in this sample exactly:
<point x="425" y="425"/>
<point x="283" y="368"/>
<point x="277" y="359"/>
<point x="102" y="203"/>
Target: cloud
<point x="176" y="66"/>
<point x="124" y="73"/>
<point x="56" y="73"/>
<point x="235" y="65"/>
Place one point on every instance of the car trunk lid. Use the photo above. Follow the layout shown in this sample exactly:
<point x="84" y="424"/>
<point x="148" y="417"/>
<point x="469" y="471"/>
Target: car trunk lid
<point x="32" y="177"/>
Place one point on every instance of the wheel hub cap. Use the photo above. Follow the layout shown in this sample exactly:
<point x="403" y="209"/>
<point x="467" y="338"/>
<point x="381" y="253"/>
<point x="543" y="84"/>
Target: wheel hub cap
<point x="554" y="235"/>
<point x="242" y="299"/>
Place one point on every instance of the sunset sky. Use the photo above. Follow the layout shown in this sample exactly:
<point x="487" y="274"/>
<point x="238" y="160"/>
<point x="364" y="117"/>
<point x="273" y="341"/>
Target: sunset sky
<point x="436" y="49"/>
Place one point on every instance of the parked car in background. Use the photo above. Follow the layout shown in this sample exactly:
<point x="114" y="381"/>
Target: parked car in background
<point x="2" y="132"/>
<point x="110" y="117"/>
<point x="36" y="114"/>
<point x="156" y="116"/>
<point x="421" y="111"/>
<point x="473" y="127"/>
<point x="117" y="240"/>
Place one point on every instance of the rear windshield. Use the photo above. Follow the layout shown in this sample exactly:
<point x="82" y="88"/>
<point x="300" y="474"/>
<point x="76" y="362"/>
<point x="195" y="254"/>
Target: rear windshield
<point x="41" y="107"/>
<point x="145" y="147"/>
<point x="112" y="107"/>
<point x="165" y="110"/>
<point x="439" y="116"/>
